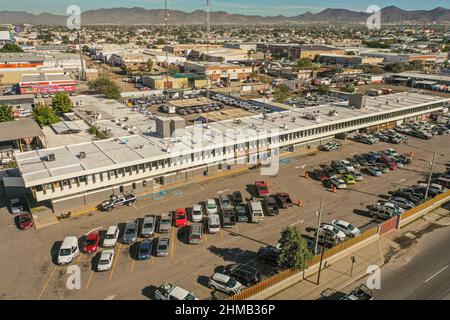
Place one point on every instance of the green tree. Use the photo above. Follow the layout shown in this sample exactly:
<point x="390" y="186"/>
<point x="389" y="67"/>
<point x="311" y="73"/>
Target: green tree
<point x="61" y="102"/>
<point x="396" y="67"/>
<point x="149" y="64"/>
<point x="323" y="88"/>
<point x="304" y="63"/>
<point x="104" y="85"/>
<point x="160" y="41"/>
<point x="281" y="93"/>
<point x="294" y="252"/>
<point x="6" y="113"/>
<point x="10" y="48"/>
<point x="44" y="115"/>
<point x="350" y="88"/>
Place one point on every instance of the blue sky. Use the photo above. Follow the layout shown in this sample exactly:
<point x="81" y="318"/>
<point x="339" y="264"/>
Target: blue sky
<point x="260" y="7"/>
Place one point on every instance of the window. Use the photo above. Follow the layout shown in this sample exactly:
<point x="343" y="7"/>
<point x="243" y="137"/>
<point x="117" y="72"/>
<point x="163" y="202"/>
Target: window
<point x="121" y="189"/>
<point x="65" y="183"/>
<point x="83" y="179"/>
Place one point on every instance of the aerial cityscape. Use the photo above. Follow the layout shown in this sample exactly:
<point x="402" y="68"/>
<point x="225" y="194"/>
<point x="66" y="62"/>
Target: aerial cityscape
<point x="225" y="151"/>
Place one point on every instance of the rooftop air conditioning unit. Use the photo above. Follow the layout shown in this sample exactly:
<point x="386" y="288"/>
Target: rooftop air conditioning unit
<point x="51" y="157"/>
<point x="82" y="155"/>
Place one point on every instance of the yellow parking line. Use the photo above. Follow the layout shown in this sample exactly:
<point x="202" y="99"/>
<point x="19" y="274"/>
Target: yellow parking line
<point x="132" y="265"/>
<point x="115" y="262"/>
<point x="206" y="239"/>
<point x="237" y="228"/>
<point x="90" y="279"/>
<point x="172" y="241"/>
<point x="46" y="284"/>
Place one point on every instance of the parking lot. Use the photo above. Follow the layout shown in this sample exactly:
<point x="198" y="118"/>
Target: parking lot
<point x="28" y="256"/>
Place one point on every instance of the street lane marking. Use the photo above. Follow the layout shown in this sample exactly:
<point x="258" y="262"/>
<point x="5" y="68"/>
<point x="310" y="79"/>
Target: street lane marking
<point x="434" y="275"/>
<point x="115" y="262"/>
<point x="90" y="279"/>
<point x="46" y="284"/>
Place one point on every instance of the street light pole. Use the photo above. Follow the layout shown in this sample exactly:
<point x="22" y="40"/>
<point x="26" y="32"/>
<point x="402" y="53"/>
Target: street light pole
<point x="429" y="177"/>
<point x="319" y="220"/>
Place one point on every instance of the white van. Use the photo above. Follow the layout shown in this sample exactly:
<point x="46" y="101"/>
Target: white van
<point x="68" y="251"/>
<point x="256" y="211"/>
<point x="213" y="223"/>
<point x="111" y="237"/>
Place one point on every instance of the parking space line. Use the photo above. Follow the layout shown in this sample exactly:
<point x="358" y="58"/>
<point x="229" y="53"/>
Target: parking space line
<point x="90" y="279"/>
<point x="115" y="262"/>
<point x="132" y="265"/>
<point x="172" y="242"/>
<point x="46" y="284"/>
<point x="206" y="239"/>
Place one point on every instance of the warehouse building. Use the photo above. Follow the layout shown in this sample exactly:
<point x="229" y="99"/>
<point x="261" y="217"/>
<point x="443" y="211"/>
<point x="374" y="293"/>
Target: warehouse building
<point x="75" y="176"/>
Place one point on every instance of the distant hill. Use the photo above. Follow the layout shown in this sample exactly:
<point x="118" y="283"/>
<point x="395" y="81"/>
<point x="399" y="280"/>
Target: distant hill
<point x="134" y="16"/>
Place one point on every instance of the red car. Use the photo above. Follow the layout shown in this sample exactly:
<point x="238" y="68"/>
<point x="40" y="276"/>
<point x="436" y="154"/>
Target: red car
<point x="262" y="188"/>
<point x="24" y="221"/>
<point x="389" y="162"/>
<point x="91" y="244"/>
<point x="320" y="175"/>
<point x="181" y="218"/>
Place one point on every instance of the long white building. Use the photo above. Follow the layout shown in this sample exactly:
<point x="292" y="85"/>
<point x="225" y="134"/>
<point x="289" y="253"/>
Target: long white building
<point x="75" y="176"/>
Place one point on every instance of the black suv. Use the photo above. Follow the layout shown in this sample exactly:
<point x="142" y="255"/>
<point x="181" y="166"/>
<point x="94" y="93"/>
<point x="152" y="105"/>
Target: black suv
<point x="245" y="274"/>
<point x="268" y="255"/>
<point x="237" y="198"/>
<point x="270" y="206"/>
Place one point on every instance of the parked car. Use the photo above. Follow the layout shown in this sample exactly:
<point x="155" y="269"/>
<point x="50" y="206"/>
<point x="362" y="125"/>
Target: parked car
<point x="180" y="218"/>
<point x="330" y="228"/>
<point x="211" y="206"/>
<point x="348" y="166"/>
<point x="68" y="251"/>
<point x="382" y="212"/>
<point x="148" y="226"/>
<point x="24" y="221"/>
<point x="408" y="196"/>
<point x="268" y="255"/>
<point x="320" y="174"/>
<point x="270" y="206"/>
<point x="130" y="233"/>
<point x="362" y="160"/>
<point x="145" y="249"/>
<point x="348" y="178"/>
<point x="162" y="247"/>
<point x="224" y="283"/>
<point x="195" y="233"/>
<point x="91" y="243"/>
<point x="106" y="260"/>
<point x="373" y="171"/>
<point x="330" y="172"/>
<point x="213" y="223"/>
<point x="244" y="273"/>
<point x="237" y="198"/>
<point x="241" y="213"/>
<point x="112" y="234"/>
<point x="16" y="206"/>
<point x="168" y="291"/>
<point x="338" y="166"/>
<point x="337" y="183"/>
<point x="358" y="176"/>
<point x="283" y="199"/>
<point x="402" y="203"/>
<point x="262" y="188"/>
<point x="349" y="229"/>
<point x="165" y="222"/>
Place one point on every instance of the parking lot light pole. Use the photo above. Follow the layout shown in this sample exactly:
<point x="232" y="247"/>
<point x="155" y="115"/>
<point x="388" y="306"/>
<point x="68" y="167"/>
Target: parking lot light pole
<point x="429" y="177"/>
<point x="319" y="220"/>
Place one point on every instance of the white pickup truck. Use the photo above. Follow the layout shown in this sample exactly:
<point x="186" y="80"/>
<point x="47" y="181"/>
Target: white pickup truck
<point x="168" y="291"/>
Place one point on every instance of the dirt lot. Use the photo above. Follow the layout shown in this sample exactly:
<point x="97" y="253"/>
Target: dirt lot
<point x="31" y="274"/>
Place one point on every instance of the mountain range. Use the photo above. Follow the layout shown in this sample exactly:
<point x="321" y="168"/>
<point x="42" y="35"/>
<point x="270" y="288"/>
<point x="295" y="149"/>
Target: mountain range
<point x="141" y="16"/>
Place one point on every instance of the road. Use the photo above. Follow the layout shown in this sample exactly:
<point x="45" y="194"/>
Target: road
<point x="422" y="271"/>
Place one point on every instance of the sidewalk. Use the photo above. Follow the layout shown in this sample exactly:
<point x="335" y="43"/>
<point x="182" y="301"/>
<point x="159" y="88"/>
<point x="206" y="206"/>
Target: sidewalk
<point x="336" y="275"/>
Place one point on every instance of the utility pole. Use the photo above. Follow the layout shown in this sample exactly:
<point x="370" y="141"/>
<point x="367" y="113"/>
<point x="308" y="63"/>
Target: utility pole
<point x="319" y="220"/>
<point x="83" y="71"/>
<point x="166" y="25"/>
<point x="429" y="177"/>
<point x="208" y="35"/>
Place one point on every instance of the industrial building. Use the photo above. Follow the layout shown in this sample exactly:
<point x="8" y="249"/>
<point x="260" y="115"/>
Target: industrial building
<point x="295" y="51"/>
<point x="71" y="177"/>
<point x="46" y="83"/>
<point x="217" y="71"/>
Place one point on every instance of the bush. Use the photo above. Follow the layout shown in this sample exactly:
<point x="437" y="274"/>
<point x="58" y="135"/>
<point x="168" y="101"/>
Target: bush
<point x="44" y="115"/>
<point x="294" y="252"/>
<point x="6" y="113"/>
<point x="105" y="86"/>
<point x="61" y="102"/>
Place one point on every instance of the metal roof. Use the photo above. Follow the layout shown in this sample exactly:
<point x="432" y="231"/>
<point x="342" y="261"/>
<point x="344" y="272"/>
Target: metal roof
<point x="19" y="129"/>
<point x="117" y="153"/>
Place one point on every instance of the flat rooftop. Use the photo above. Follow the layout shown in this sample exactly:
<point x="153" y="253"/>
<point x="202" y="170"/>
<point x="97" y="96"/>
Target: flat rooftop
<point x="119" y="152"/>
<point x="425" y="76"/>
